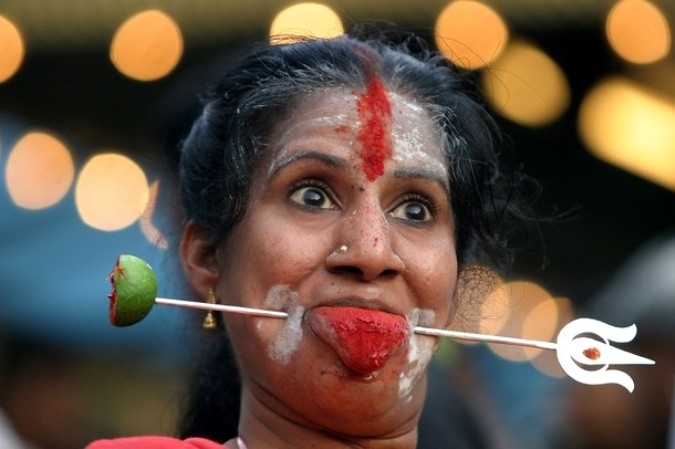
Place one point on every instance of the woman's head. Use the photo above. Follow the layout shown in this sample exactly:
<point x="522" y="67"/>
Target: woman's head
<point x="344" y="182"/>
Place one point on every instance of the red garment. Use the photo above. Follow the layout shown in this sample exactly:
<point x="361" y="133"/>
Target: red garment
<point x="152" y="442"/>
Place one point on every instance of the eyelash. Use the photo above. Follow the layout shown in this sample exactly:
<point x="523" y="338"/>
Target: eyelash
<point x="312" y="182"/>
<point x="422" y="199"/>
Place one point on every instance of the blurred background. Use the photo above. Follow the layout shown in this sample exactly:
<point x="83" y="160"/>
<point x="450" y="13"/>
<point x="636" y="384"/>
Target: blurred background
<point x="94" y="95"/>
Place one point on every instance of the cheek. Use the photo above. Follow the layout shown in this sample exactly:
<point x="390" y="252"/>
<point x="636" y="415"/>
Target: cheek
<point x="267" y="255"/>
<point x="267" y="259"/>
<point x="436" y="281"/>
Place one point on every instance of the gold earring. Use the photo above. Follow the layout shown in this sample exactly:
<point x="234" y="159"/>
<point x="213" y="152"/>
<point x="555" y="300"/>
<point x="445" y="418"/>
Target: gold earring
<point x="210" y="320"/>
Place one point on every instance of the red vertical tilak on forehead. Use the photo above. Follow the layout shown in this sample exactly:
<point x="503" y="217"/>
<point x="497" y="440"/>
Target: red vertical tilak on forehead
<point x="375" y="113"/>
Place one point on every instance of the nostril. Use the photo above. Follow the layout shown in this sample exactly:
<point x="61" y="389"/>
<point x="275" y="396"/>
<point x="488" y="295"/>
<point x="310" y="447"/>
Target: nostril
<point x="389" y="273"/>
<point x="347" y="269"/>
<point x="356" y="272"/>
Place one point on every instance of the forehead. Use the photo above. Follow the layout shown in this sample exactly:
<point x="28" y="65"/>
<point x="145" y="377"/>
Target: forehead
<point x="334" y="114"/>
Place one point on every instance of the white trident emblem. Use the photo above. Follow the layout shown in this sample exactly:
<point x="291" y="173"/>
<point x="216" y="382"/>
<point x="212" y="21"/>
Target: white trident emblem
<point x="573" y="351"/>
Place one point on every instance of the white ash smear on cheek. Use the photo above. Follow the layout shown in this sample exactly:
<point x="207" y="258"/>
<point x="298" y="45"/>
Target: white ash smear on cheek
<point x="281" y="297"/>
<point x="420" y="352"/>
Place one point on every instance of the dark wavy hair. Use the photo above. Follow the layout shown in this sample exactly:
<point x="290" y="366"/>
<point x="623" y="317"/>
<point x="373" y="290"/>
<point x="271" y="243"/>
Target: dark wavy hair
<point x="230" y="139"/>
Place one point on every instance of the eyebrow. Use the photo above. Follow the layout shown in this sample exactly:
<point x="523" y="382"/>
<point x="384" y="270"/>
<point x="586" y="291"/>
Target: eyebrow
<point x="437" y="176"/>
<point x="326" y="159"/>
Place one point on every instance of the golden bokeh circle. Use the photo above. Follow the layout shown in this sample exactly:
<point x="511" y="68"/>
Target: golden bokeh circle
<point x="638" y="31"/>
<point x="12" y="49"/>
<point x="39" y="171"/>
<point x="305" y="20"/>
<point x="147" y="46"/>
<point x="526" y="86"/>
<point x="470" y="34"/>
<point x="111" y="192"/>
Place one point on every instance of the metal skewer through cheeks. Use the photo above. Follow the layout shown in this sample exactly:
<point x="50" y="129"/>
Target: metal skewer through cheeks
<point x="573" y="347"/>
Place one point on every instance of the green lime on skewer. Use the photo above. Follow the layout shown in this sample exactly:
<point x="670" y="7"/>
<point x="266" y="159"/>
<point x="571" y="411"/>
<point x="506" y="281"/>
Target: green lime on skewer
<point x="134" y="287"/>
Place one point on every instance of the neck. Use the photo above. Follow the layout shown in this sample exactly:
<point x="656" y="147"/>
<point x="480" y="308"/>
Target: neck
<point x="262" y="427"/>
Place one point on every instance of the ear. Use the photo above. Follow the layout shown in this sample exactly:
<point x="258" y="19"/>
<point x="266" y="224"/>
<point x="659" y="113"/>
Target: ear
<point x="199" y="262"/>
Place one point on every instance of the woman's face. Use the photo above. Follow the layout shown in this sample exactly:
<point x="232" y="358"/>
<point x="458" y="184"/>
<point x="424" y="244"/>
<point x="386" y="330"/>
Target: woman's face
<point x="351" y="208"/>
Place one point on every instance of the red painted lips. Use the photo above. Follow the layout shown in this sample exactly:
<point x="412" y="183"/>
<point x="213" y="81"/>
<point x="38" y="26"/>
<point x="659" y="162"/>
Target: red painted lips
<point x="363" y="338"/>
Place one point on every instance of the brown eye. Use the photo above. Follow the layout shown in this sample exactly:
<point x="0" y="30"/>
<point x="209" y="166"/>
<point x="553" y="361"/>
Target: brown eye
<point x="412" y="210"/>
<point x="312" y="197"/>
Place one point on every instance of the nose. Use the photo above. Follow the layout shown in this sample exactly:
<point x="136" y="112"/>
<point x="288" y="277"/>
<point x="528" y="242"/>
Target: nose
<point x="364" y="245"/>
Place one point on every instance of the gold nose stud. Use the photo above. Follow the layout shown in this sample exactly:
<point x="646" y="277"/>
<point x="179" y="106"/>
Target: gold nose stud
<point x="343" y="249"/>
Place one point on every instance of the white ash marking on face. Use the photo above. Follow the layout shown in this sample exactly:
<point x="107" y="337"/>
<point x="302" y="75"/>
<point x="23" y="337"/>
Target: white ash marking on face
<point x="409" y="141"/>
<point x="336" y="121"/>
<point x="420" y="352"/>
<point x="281" y="297"/>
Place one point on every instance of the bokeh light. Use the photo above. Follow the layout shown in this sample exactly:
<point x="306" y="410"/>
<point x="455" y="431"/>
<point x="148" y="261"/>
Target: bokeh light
<point x="526" y="86"/>
<point x="630" y="127"/>
<point x="111" y="192"/>
<point x="147" y="46"/>
<point x="312" y="20"/>
<point x="39" y="171"/>
<point x="11" y="49"/>
<point x="638" y="31"/>
<point x="540" y="323"/>
<point x="524" y="298"/>
<point x="546" y="362"/>
<point x="470" y="33"/>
